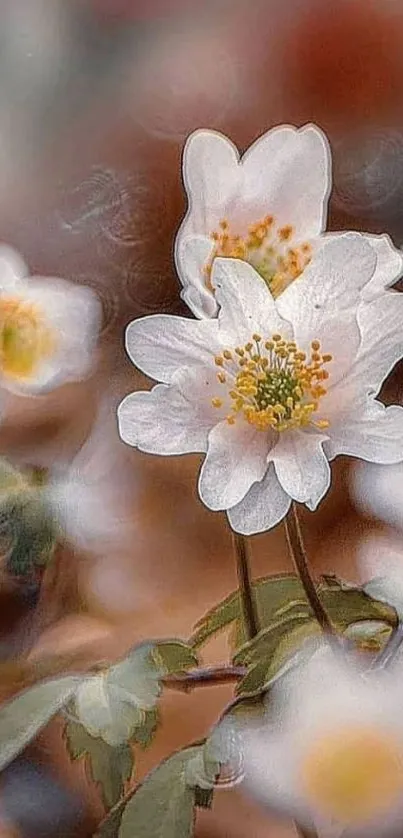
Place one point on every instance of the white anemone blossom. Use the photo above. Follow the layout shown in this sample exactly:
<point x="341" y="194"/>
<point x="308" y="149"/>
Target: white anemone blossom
<point x="48" y="328"/>
<point x="330" y="753"/>
<point x="271" y="390"/>
<point x="268" y="208"/>
<point x="378" y="491"/>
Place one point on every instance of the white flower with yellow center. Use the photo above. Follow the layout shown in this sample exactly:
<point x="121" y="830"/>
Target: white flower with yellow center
<point x="331" y="752"/>
<point x="272" y="389"/>
<point x="268" y="208"/>
<point x="48" y="328"/>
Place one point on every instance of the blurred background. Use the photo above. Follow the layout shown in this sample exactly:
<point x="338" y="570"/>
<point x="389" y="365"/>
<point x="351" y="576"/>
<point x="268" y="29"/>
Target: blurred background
<point x="96" y="100"/>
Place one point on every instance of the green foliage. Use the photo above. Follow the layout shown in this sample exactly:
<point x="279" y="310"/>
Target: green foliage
<point x="164" y="805"/>
<point x="119" y="704"/>
<point x="173" y="656"/>
<point x="109" y="767"/>
<point x="23" y="717"/>
<point x="283" y="594"/>
<point x="27" y="536"/>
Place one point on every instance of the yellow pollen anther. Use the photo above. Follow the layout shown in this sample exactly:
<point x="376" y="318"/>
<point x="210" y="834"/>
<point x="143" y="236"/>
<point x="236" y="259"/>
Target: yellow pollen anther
<point x="271" y="250"/>
<point x="353" y="774"/>
<point x="326" y="358"/>
<point x="25" y="340"/>
<point x="315" y="345"/>
<point x="274" y="387"/>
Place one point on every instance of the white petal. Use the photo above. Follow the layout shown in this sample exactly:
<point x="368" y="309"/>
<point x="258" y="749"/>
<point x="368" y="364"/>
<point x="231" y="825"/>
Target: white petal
<point x="287" y="173"/>
<point x="329" y="287"/>
<point x="380" y="323"/>
<point x="211" y="174"/>
<point x="269" y="775"/>
<point x="236" y="458"/>
<point x="301" y="466"/>
<point x="191" y="256"/>
<point x="170" y="419"/>
<point x="160" y="344"/>
<point x="73" y="313"/>
<point x="389" y="266"/>
<point x="373" y="433"/>
<point x="246" y="304"/>
<point x="262" y="508"/>
<point x="12" y="269"/>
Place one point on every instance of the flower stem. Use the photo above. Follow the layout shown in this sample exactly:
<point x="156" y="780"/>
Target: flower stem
<point x="251" y="620"/>
<point x="300" y="559"/>
<point x="209" y="676"/>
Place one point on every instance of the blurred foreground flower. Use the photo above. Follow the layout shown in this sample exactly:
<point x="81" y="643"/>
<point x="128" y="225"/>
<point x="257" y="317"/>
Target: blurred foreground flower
<point x="378" y="491"/>
<point x="48" y="328"/>
<point x="272" y="390"/>
<point x="331" y="752"/>
<point x="380" y="561"/>
<point x="83" y="501"/>
<point x="267" y="208"/>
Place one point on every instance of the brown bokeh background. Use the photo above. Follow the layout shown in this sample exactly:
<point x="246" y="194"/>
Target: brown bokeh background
<point x="97" y="98"/>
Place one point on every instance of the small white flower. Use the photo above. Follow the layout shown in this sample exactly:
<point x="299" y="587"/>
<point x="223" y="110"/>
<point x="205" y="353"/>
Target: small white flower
<point x="272" y="390"/>
<point x="331" y="752"/>
<point x="268" y="207"/>
<point x="48" y="328"/>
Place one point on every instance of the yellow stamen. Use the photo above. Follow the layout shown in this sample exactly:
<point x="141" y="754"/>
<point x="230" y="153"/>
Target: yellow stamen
<point x="25" y="340"/>
<point x="270" y="249"/>
<point x="273" y="384"/>
<point x="353" y="774"/>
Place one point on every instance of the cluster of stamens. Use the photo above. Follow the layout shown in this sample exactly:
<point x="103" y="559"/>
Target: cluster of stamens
<point x="24" y="340"/>
<point x="267" y="247"/>
<point x="273" y="384"/>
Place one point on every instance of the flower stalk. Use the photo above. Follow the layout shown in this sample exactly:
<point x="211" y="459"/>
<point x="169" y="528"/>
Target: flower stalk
<point x="249" y="609"/>
<point x="300" y="559"/>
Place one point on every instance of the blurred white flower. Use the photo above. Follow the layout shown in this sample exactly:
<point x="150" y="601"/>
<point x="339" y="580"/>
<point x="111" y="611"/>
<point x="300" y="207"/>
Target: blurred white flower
<point x="89" y="496"/>
<point x="48" y="328"/>
<point x="330" y="753"/>
<point x="272" y="390"/>
<point x="380" y="562"/>
<point x="268" y="208"/>
<point x="378" y="491"/>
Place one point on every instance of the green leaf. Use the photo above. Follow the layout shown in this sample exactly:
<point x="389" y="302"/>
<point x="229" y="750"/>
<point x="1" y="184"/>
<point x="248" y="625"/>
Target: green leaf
<point x="108" y="766"/>
<point x="271" y="592"/>
<point x="265" y="643"/>
<point x="281" y="594"/>
<point x="173" y="656"/>
<point x="110" y="826"/>
<point x="163" y="806"/>
<point x="23" y="717"/>
<point x="144" y="734"/>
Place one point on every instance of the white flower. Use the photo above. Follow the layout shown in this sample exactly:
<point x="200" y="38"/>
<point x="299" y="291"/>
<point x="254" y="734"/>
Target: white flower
<point x="268" y="208"/>
<point x="48" y="328"/>
<point x="331" y="752"/>
<point x="272" y="389"/>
